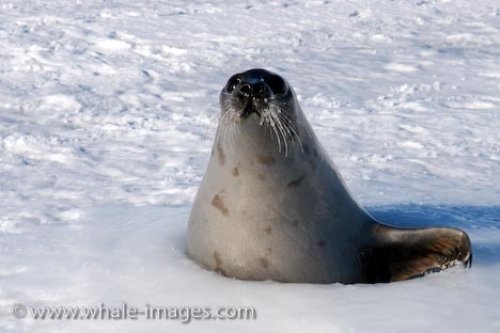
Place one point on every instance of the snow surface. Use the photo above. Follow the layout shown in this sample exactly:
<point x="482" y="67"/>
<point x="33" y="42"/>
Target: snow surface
<point x="107" y="116"/>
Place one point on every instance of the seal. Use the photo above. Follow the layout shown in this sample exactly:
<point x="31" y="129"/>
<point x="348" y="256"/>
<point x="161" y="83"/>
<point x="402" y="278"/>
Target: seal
<point x="272" y="206"/>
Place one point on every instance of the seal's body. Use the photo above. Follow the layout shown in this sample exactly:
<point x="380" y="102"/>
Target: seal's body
<point x="272" y="205"/>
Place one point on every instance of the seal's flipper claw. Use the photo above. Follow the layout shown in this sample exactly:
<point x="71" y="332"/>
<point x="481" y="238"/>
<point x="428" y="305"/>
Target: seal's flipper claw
<point x="401" y="254"/>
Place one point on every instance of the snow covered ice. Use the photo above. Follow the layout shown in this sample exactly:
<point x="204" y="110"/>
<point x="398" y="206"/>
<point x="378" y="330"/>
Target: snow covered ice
<point x="107" y="115"/>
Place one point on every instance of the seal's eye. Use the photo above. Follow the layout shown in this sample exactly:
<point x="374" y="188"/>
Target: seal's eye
<point x="276" y="84"/>
<point x="232" y="83"/>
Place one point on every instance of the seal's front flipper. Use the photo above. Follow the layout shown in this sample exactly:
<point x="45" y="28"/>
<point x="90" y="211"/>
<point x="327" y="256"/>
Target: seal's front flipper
<point x="401" y="254"/>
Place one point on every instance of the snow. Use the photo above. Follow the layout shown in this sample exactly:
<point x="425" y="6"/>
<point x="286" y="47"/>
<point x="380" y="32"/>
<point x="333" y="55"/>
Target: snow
<point x="107" y="115"/>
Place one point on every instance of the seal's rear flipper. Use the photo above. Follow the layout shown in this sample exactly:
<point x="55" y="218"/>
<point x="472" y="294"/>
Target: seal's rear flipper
<point x="401" y="254"/>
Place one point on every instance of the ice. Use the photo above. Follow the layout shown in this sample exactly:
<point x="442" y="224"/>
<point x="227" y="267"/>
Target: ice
<point x="108" y="111"/>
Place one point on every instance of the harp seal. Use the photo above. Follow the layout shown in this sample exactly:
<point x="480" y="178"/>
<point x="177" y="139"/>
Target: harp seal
<point x="272" y="205"/>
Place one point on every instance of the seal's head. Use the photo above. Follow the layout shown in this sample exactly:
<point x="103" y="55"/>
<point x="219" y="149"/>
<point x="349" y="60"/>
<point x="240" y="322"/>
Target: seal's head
<point x="260" y="97"/>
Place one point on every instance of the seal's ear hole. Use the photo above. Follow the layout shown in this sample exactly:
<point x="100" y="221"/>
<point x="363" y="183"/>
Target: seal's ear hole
<point x="232" y="83"/>
<point x="276" y="84"/>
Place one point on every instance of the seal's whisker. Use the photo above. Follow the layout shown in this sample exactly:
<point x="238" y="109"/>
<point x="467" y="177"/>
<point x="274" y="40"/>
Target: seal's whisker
<point x="213" y="122"/>
<point x="234" y="134"/>
<point x="279" y="124"/>
<point x="264" y="122"/>
<point x="272" y="123"/>
<point x="292" y="130"/>
<point x="226" y="125"/>
<point x="278" y="133"/>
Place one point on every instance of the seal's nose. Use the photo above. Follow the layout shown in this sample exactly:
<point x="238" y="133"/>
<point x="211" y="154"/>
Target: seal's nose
<point x="253" y="88"/>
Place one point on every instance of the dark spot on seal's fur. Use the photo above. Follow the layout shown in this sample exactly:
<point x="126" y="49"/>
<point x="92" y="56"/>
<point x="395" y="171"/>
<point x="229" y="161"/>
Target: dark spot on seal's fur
<point x="268" y="230"/>
<point x="264" y="262"/>
<point x="218" y="203"/>
<point x="217" y="258"/>
<point x="321" y="243"/>
<point x="236" y="173"/>
<point x="218" y="263"/>
<point x="296" y="182"/>
<point x="269" y="250"/>
<point x="295" y="223"/>
<point x="266" y="160"/>
<point x="222" y="156"/>
<point x="261" y="177"/>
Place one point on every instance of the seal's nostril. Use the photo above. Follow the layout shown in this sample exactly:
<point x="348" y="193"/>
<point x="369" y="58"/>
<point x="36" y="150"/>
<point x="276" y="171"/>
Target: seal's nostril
<point x="258" y="88"/>
<point x="254" y="89"/>
<point x="245" y="89"/>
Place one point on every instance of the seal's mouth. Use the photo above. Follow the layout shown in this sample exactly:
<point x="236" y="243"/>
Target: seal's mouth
<point x="250" y="108"/>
